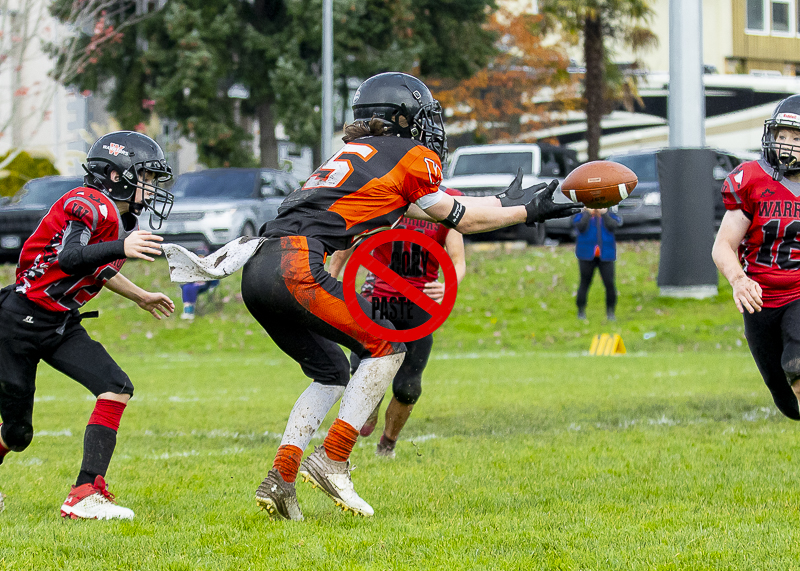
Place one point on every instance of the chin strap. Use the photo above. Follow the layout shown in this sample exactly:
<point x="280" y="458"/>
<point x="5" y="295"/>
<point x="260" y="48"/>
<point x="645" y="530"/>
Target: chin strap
<point x="785" y="162"/>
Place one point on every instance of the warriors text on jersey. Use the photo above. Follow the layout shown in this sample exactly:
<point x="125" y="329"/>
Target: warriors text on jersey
<point x="365" y="187"/>
<point x="416" y="265"/>
<point x="39" y="276"/>
<point x="770" y="251"/>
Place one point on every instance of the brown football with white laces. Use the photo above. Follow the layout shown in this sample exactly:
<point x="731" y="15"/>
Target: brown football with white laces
<point x="599" y="184"/>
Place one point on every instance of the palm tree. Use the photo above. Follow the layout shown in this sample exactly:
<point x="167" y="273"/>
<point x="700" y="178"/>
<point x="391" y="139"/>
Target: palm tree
<point x="598" y="23"/>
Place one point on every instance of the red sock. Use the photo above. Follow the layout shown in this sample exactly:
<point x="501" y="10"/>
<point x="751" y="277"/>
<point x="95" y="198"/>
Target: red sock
<point x="287" y="462"/>
<point x="107" y="413"/>
<point x="340" y="440"/>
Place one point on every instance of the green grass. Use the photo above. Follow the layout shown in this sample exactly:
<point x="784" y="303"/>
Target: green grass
<point x="523" y="452"/>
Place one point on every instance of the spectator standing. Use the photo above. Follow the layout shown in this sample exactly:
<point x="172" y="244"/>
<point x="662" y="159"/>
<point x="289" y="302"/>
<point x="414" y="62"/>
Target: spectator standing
<point x="596" y="248"/>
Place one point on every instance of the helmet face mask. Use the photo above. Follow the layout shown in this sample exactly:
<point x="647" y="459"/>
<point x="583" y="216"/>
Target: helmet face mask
<point x="782" y="155"/>
<point x="392" y="96"/>
<point x="133" y="156"/>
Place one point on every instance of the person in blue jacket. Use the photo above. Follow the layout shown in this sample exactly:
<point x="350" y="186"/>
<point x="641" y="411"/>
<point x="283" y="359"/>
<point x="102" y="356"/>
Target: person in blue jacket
<point x="596" y="247"/>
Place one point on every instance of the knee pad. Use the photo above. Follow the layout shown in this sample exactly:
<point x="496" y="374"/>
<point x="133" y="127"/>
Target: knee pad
<point x="790" y="363"/>
<point x="17" y="436"/>
<point x="408" y="391"/>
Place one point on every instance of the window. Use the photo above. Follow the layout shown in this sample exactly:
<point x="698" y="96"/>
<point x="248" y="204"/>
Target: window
<point x="268" y="184"/>
<point x="494" y="163"/>
<point x="780" y="16"/>
<point x="643" y="165"/>
<point x="215" y="183"/>
<point x="776" y="17"/>
<point x="755" y="15"/>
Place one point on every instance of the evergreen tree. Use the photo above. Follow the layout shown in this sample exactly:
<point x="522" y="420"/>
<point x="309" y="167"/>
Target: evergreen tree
<point x="180" y="61"/>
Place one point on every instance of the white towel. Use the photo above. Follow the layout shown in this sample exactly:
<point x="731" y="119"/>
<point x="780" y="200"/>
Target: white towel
<point x="185" y="266"/>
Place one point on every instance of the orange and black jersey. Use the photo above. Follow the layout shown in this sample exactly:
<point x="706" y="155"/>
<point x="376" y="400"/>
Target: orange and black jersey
<point x="365" y="187"/>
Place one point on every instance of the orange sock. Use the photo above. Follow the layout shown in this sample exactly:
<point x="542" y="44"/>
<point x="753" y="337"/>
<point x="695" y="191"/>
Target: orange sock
<point x="287" y="462"/>
<point x="340" y="440"/>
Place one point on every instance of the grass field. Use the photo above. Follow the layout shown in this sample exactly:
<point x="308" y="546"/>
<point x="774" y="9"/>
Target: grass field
<point x="523" y="453"/>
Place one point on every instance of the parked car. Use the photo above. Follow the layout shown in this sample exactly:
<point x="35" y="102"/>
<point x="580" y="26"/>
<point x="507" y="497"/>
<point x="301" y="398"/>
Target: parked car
<point x="483" y="170"/>
<point x="214" y="206"/>
<point x="21" y="214"/>
<point x="641" y="211"/>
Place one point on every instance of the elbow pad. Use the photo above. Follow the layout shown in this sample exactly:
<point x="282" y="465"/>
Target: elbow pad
<point x="455" y="216"/>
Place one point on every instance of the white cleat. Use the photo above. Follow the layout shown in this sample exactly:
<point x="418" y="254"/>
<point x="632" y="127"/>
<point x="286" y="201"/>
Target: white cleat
<point x="333" y="478"/>
<point x="2" y="502"/>
<point x="93" y="501"/>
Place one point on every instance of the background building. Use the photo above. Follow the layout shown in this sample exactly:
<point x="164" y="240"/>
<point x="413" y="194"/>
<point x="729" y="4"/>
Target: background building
<point x="751" y="54"/>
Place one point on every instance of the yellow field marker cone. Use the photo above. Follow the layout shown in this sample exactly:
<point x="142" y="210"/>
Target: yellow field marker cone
<point x="605" y="344"/>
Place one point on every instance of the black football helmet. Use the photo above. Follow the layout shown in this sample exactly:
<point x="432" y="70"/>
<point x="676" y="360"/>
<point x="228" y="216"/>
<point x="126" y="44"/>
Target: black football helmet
<point x="131" y="155"/>
<point x="388" y="96"/>
<point x="781" y="155"/>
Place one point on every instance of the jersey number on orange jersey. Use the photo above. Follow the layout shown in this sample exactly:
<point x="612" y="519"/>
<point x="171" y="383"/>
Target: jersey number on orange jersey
<point x="338" y="170"/>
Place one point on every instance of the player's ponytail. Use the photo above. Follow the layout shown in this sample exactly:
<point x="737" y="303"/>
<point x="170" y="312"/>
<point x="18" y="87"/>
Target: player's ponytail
<point x="362" y="128"/>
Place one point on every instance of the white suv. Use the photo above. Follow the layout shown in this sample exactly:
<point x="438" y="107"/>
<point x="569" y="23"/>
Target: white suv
<point x="215" y="206"/>
<point x="482" y="170"/>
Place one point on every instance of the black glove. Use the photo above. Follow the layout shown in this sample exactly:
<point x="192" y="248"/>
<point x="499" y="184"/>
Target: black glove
<point x="542" y="206"/>
<point x="514" y="195"/>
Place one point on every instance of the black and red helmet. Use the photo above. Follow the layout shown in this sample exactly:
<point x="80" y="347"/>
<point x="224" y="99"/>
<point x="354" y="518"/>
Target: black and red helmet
<point x="130" y="155"/>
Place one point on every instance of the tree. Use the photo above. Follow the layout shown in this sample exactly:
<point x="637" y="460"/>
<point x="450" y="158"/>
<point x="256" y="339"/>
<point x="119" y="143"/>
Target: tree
<point x="423" y="37"/>
<point x="25" y="31"/>
<point x="521" y="89"/>
<point x="599" y="23"/>
<point x="180" y="61"/>
<point x="170" y="63"/>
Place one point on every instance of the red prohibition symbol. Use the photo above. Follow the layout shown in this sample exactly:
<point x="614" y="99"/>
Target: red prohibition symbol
<point x="362" y="256"/>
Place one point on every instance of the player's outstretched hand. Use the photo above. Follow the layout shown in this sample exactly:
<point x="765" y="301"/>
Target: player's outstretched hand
<point x="511" y="195"/>
<point x="542" y="206"/>
<point x="746" y="294"/>
<point x="142" y="242"/>
<point x="156" y="303"/>
<point x="515" y="195"/>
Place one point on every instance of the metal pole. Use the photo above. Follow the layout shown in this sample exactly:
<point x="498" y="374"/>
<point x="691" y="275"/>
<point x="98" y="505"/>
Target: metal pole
<point x="327" y="78"/>
<point x="686" y="108"/>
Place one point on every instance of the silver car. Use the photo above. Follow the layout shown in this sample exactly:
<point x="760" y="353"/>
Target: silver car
<point x="214" y="206"/>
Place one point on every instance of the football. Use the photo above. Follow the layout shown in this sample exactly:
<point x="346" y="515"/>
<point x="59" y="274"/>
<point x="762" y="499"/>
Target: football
<point x="599" y="184"/>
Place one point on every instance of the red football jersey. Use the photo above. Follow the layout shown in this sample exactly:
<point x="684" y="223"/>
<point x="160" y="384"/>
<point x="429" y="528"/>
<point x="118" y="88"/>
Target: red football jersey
<point x="770" y="251"/>
<point x="39" y="276"/>
<point x="407" y="259"/>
